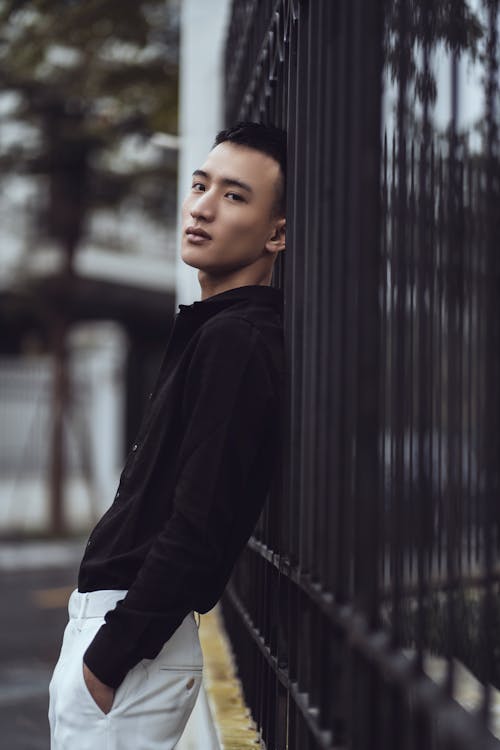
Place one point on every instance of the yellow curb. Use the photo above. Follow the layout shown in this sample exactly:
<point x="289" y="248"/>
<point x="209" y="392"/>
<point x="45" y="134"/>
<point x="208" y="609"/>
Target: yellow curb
<point x="232" y="718"/>
<point x="52" y="598"/>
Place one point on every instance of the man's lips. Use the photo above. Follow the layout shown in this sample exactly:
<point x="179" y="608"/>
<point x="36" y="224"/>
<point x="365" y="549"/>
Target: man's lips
<point x="196" y="235"/>
<point x="197" y="239"/>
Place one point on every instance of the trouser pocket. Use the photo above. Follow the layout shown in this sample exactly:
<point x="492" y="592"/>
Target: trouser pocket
<point x="132" y="680"/>
<point x="69" y="693"/>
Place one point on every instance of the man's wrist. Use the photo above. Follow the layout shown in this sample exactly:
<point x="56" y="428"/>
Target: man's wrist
<point x="94" y="677"/>
<point x="105" y="659"/>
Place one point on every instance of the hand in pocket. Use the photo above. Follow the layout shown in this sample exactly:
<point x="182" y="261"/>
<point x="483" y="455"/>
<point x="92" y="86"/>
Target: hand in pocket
<point x="102" y="694"/>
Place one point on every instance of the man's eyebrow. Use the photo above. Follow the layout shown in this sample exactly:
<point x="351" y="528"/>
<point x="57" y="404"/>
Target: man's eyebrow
<point x="227" y="181"/>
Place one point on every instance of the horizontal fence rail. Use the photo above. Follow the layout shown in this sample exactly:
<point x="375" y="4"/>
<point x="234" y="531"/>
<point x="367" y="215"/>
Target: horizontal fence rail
<point x="365" y="610"/>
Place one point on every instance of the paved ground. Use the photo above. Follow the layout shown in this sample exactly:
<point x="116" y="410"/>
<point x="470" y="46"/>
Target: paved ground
<point x="35" y="583"/>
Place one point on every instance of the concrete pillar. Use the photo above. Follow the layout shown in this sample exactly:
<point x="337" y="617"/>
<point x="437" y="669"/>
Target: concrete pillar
<point x="203" y="35"/>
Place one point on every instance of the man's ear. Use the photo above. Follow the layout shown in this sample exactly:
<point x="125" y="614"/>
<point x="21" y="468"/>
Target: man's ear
<point x="276" y="241"/>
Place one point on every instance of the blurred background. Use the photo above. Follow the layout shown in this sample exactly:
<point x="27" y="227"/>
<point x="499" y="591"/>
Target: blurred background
<point x="91" y="176"/>
<point x="88" y="157"/>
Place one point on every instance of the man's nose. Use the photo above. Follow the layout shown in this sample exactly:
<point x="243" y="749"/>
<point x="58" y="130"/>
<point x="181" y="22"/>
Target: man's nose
<point x="203" y="207"/>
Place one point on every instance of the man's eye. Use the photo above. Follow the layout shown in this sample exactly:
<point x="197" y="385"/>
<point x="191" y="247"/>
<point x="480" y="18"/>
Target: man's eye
<point x="236" y="196"/>
<point x="197" y="183"/>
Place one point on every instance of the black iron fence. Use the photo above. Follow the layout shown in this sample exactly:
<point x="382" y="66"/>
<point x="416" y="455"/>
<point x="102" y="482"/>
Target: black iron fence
<point x="365" y="611"/>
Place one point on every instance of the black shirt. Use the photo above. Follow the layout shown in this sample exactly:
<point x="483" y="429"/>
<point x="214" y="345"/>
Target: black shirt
<point x="196" y="478"/>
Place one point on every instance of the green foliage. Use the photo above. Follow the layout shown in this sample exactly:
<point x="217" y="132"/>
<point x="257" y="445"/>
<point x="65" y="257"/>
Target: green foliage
<point x="112" y="60"/>
<point x="450" y="23"/>
<point x="88" y="76"/>
<point x="456" y="623"/>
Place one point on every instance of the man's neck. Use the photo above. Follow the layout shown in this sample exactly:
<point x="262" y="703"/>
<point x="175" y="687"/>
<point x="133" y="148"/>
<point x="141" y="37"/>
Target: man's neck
<point x="209" y="287"/>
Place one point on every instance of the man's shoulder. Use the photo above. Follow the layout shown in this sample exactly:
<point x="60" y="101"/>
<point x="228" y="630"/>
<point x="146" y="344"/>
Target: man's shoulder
<point x="235" y="334"/>
<point x="243" y="321"/>
<point x="229" y="324"/>
<point x="238" y="332"/>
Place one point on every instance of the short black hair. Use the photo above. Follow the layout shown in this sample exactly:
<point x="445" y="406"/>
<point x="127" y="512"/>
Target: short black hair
<point x="269" y="140"/>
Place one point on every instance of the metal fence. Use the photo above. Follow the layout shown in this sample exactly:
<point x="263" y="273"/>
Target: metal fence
<point x="364" y="612"/>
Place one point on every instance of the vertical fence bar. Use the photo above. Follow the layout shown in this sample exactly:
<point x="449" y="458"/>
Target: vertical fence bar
<point x="492" y="490"/>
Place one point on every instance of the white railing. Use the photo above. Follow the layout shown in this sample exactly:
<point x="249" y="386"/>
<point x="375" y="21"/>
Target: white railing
<point x="93" y="436"/>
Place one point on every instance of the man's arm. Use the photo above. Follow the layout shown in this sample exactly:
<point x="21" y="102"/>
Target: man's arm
<point x="228" y="403"/>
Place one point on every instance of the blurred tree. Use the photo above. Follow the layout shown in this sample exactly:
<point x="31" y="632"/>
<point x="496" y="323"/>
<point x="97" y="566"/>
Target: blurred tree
<point x="87" y="76"/>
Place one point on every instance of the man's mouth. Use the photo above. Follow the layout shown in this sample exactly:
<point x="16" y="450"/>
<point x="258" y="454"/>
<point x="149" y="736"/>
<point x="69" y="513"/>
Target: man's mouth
<point x="197" y="235"/>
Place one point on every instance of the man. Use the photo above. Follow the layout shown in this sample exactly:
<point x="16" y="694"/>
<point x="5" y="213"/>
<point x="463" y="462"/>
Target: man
<point x="196" y="479"/>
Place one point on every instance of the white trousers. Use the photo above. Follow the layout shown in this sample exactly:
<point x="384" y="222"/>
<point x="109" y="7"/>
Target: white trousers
<point x="152" y="704"/>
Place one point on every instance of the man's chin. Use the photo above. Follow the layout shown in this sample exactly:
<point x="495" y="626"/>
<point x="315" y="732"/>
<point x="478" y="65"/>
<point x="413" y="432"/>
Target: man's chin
<point x="189" y="258"/>
<point x="189" y="262"/>
<point x="197" y="263"/>
<point x="197" y="260"/>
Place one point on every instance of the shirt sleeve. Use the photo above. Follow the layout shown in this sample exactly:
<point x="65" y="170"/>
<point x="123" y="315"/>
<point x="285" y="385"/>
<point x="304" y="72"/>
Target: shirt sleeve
<point x="228" y="408"/>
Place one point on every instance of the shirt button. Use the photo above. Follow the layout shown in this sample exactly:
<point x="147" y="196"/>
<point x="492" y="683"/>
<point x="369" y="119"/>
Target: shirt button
<point x="134" y="447"/>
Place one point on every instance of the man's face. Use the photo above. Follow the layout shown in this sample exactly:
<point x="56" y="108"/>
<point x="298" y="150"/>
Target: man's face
<point x="231" y="199"/>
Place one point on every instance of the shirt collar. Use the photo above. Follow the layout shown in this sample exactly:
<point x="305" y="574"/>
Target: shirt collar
<point x="259" y="293"/>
